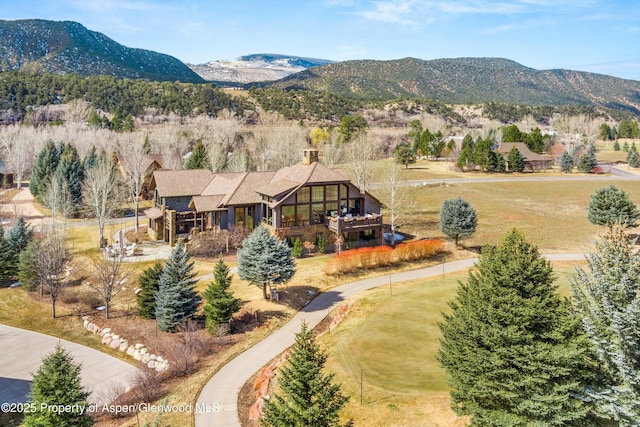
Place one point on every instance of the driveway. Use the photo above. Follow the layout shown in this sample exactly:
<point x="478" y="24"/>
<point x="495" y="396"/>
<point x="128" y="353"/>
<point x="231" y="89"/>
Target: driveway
<point x="22" y="353"/>
<point x="222" y="390"/>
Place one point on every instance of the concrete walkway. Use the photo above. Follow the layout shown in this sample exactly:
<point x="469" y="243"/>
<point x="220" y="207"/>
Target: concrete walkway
<point x="22" y="353"/>
<point x="224" y="387"/>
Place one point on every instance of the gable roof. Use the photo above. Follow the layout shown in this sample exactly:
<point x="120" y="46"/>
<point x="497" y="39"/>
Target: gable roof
<point x="528" y="155"/>
<point x="178" y="183"/>
<point x="292" y="177"/>
<point x="147" y="161"/>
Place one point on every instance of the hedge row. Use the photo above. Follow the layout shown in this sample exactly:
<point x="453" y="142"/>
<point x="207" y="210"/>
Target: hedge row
<point x="381" y="256"/>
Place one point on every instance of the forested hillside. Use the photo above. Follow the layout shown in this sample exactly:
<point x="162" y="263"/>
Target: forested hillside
<point x="466" y="80"/>
<point x="65" y="47"/>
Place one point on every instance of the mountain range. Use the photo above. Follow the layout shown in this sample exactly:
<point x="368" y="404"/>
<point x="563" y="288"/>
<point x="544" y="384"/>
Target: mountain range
<point x="466" y="80"/>
<point x="63" y="47"/>
<point x="258" y="67"/>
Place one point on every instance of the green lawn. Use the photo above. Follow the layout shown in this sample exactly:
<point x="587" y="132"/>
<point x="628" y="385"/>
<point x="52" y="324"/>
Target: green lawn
<point x="388" y="342"/>
<point x="551" y="214"/>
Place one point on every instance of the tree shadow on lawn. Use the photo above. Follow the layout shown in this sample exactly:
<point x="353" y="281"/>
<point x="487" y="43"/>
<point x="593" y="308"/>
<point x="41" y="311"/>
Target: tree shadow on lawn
<point x="250" y="319"/>
<point x="297" y="297"/>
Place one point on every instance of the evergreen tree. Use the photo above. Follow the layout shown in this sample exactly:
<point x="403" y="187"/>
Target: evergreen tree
<point x="616" y="145"/>
<point x="265" y="260"/>
<point x="625" y="147"/>
<point x="177" y="298"/>
<point x="566" y="162"/>
<point x="220" y="303"/>
<point x="607" y="297"/>
<point x="633" y="159"/>
<point x="632" y="156"/>
<point x="515" y="160"/>
<point x="7" y="267"/>
<point x="498" y="163"/>
<point x="535" y="140"/>
<point x="296" y="249"/>
<point x="588" y="160"/>
<point x="305" y="397"/>
<point x="90" y="160"/>
<point x="198" y="158"/>
<point x="149" y="282"/>
<point x="57" y="383"/>
<point x="27" y="275"/>
<point x="513" y="351"/>
<point x="16" y="241"/>
<point x="511" y="133"/>
<point x="71" y="173"/>
<point x="457" y="218"/>
<point x="610" y="205"/>
<point x="482" y="154"/>
<point x="45" y="165"/>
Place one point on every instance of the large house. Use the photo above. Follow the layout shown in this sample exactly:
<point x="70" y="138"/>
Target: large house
<point x="306" y="201"/>
<point x="531" y="159"/>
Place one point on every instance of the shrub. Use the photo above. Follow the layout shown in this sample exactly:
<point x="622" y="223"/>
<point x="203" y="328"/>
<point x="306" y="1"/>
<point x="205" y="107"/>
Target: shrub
<point x="382" y="256"/>
<point x="296" y="250"/>
<point x="322" y="243"/>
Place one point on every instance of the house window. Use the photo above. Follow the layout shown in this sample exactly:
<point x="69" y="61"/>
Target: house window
<point x="302" y="215"/>
<point x="317" y="194"/>
<point x="318" y="213"/>
<point x="331" y="192"/>
<point x="288" y="216"/>
<point x="303" y="195"/>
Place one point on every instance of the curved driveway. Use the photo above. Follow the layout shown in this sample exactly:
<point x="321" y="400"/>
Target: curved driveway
<point x="22" y="353"/>
<point x="223" y="388"/>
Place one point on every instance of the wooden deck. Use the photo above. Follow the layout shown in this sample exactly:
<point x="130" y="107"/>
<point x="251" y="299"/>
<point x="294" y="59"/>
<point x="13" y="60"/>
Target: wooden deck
<point x="356" y="223"/>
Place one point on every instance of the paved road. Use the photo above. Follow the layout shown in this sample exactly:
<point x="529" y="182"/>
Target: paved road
<point x="22" y="353"/>
<point x="224" y="387"/>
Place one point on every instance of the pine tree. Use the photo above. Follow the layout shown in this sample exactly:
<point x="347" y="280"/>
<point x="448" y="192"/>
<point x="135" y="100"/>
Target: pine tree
<point x="515" y="160"/>
<point x="45" y="165"/>
<point x="513" y="351"/>
<point x="71" y="173"/>
<point x="265" y="260"/>
<point x="19" y="235"/>
<point x="305" y="397"/>
<point x="27" y="274"/>
<point x="633" y="159"/>
<point x="457" y="218"/>
<point x="177" y="299"/>
<point x="149" y="282"/>
<point x="57" y="382"/>
<point x="17" y="240"/>
<point x="610" y="205"/>
<point x="220" y="304"/>
<point x="566" y="162"/>
<point x="616" y="145"/>
<point x="90" y="160"/>
<point x="198" y="158"/>
<point x="625" y="147"/>
<point x="632" y="156"/>
<point x="588" y="160"/>
<point x="607" y="297"/>
<point x="7" y="267"/>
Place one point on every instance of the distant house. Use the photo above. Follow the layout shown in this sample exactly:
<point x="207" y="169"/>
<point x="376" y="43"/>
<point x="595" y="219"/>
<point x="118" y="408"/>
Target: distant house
<point x="532" y="160"/>
<point x="305" y="201"/>
<point x="6" y="178"/>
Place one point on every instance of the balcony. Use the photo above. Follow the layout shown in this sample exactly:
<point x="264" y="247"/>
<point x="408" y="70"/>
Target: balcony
<point x="354" y="223"/>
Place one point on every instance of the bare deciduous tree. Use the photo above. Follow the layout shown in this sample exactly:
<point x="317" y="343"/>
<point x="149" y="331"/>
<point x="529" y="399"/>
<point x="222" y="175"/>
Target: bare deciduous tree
<point x="109" y="277"/>
<point x="17" y="149"/>
<point x="360" y="155"/>
<point x="132" y="161"/>
<point x="173" y="144"/>
<point x="52" y="268"/>
<point x="395" y="197"/>
<point x="102" y="193"/>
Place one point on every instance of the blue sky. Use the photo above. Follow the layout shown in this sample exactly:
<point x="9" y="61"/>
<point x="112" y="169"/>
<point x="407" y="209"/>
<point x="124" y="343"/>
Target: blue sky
<point x="601" y="36"/>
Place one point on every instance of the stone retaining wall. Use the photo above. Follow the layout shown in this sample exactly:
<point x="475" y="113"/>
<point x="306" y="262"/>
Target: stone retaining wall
<point x="138" y="351"/>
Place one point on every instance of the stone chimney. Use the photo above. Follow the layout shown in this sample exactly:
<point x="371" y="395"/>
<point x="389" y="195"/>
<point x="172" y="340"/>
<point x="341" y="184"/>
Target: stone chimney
<point x="309" y="155"/>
